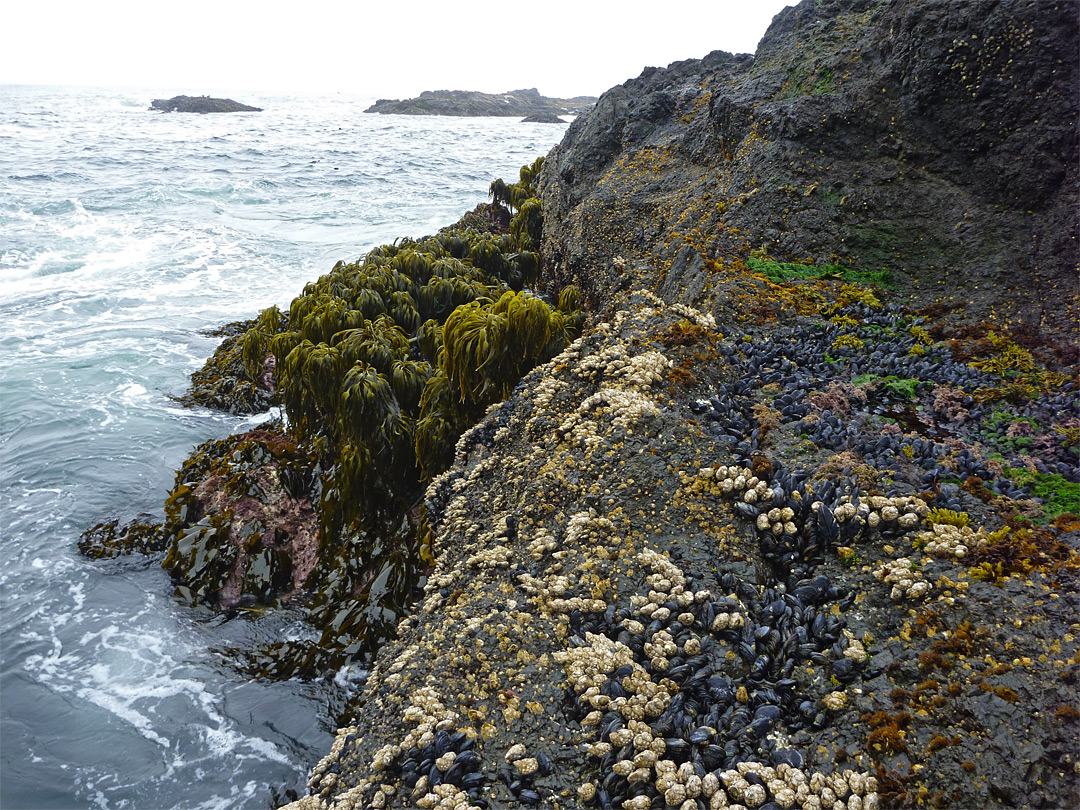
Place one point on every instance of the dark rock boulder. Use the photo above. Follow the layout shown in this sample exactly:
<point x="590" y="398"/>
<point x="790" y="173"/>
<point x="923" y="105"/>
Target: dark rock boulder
<point x="200" y="104"/>
<point x="933" y="140"/>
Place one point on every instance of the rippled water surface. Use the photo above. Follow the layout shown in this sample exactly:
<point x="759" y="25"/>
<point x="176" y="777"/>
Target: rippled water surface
<point x="123" y="234"/>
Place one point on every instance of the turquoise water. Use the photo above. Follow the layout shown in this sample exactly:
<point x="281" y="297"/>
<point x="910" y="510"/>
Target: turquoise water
<point x="123" y="234"/>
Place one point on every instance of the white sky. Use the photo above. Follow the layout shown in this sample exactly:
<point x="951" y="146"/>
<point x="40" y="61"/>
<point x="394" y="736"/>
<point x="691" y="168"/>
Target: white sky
<point x="389" y="48"/>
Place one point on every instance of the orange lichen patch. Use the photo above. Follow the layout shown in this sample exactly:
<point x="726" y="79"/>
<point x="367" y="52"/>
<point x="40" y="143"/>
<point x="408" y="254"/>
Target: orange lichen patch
<point x="1067" y="714"/>
<point x="681" y="375"/>
<point x="974" y="485"/>
<point x="1067" y="522"/>
<point x="685" y="333"/>
<point x="939" y="741"/>
<point x="1023" y="550"/>
<point x="930" y="660"/>
<point x="887" y="739"/>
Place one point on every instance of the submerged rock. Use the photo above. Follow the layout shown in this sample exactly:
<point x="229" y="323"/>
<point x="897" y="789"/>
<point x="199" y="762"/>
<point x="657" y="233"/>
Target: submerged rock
<point x="200" y="104"/>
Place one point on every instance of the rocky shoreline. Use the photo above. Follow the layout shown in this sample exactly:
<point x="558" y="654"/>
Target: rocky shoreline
<point x="791" y="520"/>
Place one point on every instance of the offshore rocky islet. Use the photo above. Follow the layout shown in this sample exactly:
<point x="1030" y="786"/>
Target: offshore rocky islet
<point x="756" y="561"/>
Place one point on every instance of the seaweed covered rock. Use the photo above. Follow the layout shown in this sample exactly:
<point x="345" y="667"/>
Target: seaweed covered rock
<point x="226" y="382"/>
<point x="515" y="103"/>
<point x="240" y="522"/>
<point x="379" y="366"/>
<point x="200" y="104"/>
<point x="935" y="141"/>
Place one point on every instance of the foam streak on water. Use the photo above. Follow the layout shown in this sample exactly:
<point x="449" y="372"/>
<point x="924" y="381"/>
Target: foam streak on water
<point x="123" y="233"/>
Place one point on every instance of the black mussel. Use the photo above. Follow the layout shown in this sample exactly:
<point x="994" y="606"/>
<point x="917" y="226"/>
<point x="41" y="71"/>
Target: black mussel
<point x="410" y="779"/>
<point x="759" y="667"/>
<point x="613" y="783"/>
<point x="768" y="711"/>
<point x="477" y="800"/>
<point x="544" y="763"/>
<point x="454" y="774"/>
<point x="435" y="776"/>
<point x="746" y="510"/>
<point x="409" y="765"/>
<point x="843" y="669"/>
<point x="442" y="742"/>
<point x="712" y="756"/>
<point x="603" y="798"/>
<point x="625" y="671"/>
<point x="613" y="689"/>
<point x="787" y="756"/>
<point x="458" y="740"/>
<point x="529" y="796"/>
<point x="507" y="774"/>
<point x="468" y="760"/>
<point x="747" y="591"/>
<point x="828" y="529"/>
<point x="753" y="778"/>
<point x="680" y="673"/>
<point x="701" y="735"/>
<point x="472" y="780"/>
<point x="767" y="694"/>
<point x="747" y="652"/>
<point x="677" y="749"/>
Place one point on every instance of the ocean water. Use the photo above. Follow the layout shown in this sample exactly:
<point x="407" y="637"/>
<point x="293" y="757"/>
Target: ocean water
<point x="124" y="234"/>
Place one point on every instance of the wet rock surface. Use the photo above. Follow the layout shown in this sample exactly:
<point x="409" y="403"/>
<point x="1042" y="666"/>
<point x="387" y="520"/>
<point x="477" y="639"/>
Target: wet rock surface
<point x="669" y="589"/>
<point x="936" y="141"/>
<point x="813" y="542"/>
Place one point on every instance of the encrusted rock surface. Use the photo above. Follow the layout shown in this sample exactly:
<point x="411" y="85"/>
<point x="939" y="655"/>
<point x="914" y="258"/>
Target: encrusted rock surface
<point x="609" y="620"/>
<point x="792" y="547"/>
<point x="931" y="139"/>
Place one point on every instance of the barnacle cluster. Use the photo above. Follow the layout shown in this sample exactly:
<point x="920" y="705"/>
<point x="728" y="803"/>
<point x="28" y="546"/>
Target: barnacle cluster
<point x="904" y="576"/>
<point x="951" y="542"/>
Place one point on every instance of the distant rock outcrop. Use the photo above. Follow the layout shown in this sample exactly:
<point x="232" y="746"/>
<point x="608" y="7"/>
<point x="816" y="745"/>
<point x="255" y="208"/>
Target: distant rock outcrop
<point x="515" y="104"/>
<point x="542" y="118"/>
<point x="200" y="104"/>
